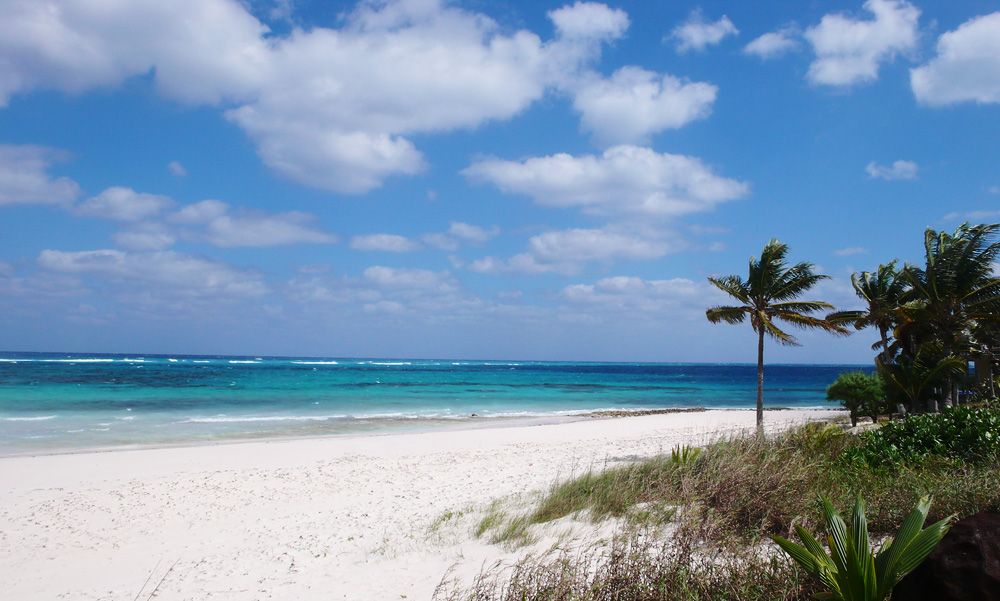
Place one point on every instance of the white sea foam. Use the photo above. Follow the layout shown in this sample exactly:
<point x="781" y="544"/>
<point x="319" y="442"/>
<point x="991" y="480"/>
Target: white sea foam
<point x="224" y="419"/>
<point x="172" y="360"/>
<point x="315" y="362"/>
<point x="95" y="360"/>
<point x="29" y="419"/>
<point x="240" y="361"/>
<point x="198" y="361"/>
<point x="127" y="418"/>
<point x="390" y="363"/>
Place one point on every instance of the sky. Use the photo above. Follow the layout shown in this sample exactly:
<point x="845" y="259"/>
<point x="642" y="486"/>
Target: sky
<point x="478" y="180"/>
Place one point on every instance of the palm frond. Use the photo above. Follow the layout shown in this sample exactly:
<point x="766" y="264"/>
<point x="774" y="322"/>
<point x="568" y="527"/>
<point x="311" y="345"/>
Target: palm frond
<point x="727" y="314"/>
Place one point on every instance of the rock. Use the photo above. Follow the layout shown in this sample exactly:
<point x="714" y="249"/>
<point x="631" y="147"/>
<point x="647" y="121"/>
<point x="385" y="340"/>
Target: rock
<point x="965" y="566"/>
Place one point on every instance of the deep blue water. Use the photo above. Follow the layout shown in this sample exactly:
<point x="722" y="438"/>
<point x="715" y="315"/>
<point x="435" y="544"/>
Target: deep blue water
<point x="62" y="401"/>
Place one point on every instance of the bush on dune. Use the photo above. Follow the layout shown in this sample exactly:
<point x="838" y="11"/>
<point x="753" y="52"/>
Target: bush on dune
<point x="728" y="500"/>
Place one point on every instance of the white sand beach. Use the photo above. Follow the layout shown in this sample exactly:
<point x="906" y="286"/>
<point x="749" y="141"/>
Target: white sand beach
<point x="331" y="518"/>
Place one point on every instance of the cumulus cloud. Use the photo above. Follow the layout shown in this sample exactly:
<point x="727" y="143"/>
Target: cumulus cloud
<point x="335" y="108"/>
<point x="145" y="236"/>
<point x="850" y="51"/>
<point x="850" y="251"/>
<point x="123" y="204"/>
<point x="634" y="103"/>
<point x="774" y="44"/>
<point x="215" y="222"/>
<point x="899" y="170"/>
<point x="623" y="180"/>
<point x="567" y="251"/>
<point x="966" y="68"/>
<point x="697" y="34"/>
<point x="589" y="20"/>
<point x="384" y="243"/>
<point x="411" y="279"/>
<point x="24" y="178"/>
<point x="640" y="298"/>
<point x="458" y="233"/>
<point x="433" y="295"/>
<point x="203" y="51"/>
<point x="167" y="272"/>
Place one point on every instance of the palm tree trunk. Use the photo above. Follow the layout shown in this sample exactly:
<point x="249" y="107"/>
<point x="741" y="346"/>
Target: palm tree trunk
<point x="885" y="345"/>
<point x="760" y="380"/>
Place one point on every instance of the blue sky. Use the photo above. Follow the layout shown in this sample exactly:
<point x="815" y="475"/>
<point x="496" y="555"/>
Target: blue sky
<point x="475" y="179"/>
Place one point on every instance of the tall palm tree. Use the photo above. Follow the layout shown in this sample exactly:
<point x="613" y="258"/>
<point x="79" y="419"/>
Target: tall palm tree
<point x="882" y="291"/>
<point x="767" y="295"/>
<point x="957" y="289"/>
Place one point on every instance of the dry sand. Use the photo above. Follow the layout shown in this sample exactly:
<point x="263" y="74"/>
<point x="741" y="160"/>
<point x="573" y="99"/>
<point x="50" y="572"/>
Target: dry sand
<point x="334" y="518"/>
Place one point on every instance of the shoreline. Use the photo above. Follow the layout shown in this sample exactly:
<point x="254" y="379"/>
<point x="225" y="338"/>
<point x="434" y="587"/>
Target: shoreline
<point x="473" y="422"/>
<point x="358" y="517"/>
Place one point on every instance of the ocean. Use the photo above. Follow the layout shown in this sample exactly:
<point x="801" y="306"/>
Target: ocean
<point x="53" y="402"/>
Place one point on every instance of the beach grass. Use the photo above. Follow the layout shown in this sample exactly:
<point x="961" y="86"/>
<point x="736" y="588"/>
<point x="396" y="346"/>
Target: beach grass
<point x="723" y="504"/>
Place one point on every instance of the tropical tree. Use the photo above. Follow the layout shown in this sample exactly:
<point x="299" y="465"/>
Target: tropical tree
<point x="917" y="379"/>
<point x="882" y="291"/>
<point x="767" y="296"/>
<point x="859" y="393"/>
<point x="957" y="289"/>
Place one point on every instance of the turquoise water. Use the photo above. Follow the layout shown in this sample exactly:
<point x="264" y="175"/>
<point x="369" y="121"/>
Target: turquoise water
<point x="59" y="401"/>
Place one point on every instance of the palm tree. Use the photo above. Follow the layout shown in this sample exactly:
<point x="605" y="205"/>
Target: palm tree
<point x="915" y="379"/>
<point x="767" y="295"/>
<point x="882" y="291"/>
<point x="957" y="290"/>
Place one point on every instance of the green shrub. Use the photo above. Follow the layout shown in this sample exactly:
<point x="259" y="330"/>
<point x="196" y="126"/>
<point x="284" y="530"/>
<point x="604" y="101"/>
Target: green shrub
<point x="859" y="393"/>
<point x="965" y="433"/>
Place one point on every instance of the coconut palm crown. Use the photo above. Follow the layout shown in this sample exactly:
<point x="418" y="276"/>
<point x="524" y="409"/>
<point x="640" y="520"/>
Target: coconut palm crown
<point x="882" y="291"/>
<point x="768" y="296"/>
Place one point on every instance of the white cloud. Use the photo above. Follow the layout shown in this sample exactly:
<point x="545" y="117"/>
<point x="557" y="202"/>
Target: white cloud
<point x="472" y="233"/>
<point x="850" y="251"/>
<point x="412" y="279"/>
<point x="177" y="169"/>
<point x="458" y="233"/>
<point x="966" y="68"/>
<point x="123" y="204"/>
<point x="384" y="243"/>
<point x="972" y="215"/>
<point x="634" y="103"/>
<point x="623" y="180"/>
<point x="850" y="51"/>
<point x="145" y="236"/>
<point x="634" y="295"/>
<point x="774" y="44"/>
<point x="214" y="222"/>
<point x="899" y="170"/>
<point x="697" y="34"/>
<point x="254" y="228"/>
<point x="589" y="20"/>
<point x="338" y="104"/>
<point x="170" y="273"/>
<point x="203" y="51"/>
<point x="567" y="251"/>
<point x="335" y="108"/>
<point x="329" y="108"/>
<point x="202" y="212"/>
<point x="23" y="177"/>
